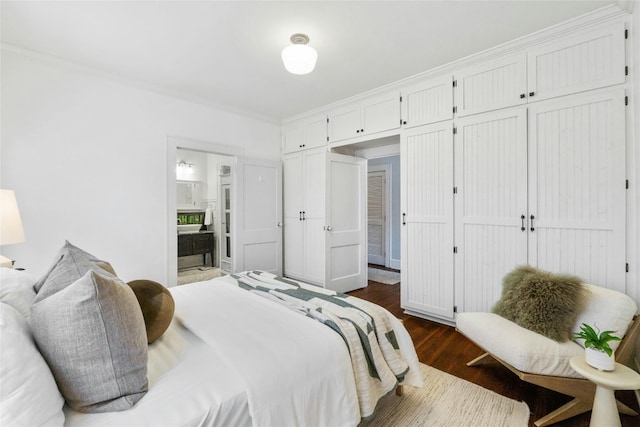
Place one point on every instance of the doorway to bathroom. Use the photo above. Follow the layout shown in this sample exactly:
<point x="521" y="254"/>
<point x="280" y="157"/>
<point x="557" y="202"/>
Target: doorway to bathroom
<point x="203" y="215"/>
<point x="249" y="236"/>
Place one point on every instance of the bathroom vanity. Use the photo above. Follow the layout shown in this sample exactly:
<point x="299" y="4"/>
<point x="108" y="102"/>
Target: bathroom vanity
<point x="197" y="243"/>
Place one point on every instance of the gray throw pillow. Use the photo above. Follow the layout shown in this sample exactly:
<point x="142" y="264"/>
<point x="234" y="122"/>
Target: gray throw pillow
<point x="70" y="264"/>
<point x="92" y="335"/>
<point x="543" y="302"/>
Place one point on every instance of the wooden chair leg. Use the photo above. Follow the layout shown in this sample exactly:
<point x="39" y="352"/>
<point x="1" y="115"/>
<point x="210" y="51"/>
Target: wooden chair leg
<point x="399" y="390"/>
<point x="568" y="410"/>
<point x="480" y="360"/>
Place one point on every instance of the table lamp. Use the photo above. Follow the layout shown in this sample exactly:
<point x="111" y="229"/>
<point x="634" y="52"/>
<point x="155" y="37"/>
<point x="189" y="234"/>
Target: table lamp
<point x="10" y="223"/>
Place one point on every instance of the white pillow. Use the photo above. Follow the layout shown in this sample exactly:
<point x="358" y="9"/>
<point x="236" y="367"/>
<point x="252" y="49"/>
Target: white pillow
<point x="29" y="395"/>
<point x="16" y="289"/>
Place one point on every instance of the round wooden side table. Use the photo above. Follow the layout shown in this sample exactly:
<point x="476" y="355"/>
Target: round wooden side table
<point x="605" y="411"/>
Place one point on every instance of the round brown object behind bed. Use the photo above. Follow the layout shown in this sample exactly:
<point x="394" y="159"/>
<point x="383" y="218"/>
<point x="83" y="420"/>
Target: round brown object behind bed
<point x="157" y="306"/>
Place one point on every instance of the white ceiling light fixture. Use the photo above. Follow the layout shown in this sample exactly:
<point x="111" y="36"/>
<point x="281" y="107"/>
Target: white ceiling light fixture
<point x="299" y="58"/>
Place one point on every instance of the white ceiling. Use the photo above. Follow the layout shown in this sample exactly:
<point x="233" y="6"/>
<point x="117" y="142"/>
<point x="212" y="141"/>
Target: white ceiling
<point x="227" y="53"/>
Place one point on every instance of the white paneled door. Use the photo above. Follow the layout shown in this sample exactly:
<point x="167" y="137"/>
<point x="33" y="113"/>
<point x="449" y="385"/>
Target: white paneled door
<point x="346" y="222"/>
<point x="491" y="204"/>
<point x="257" y="215"/>
<point x="577" y="187"/>
<point x="427" y="219"/>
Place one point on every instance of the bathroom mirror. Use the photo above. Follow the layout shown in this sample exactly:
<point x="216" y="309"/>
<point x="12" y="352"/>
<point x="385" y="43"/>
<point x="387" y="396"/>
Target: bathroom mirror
<point x="188" y="194"/>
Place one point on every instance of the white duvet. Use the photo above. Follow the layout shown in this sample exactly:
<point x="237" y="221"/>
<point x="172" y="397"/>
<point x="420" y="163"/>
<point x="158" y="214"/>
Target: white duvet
<point x="230" y="359"/>
<point x="297" y="372"/>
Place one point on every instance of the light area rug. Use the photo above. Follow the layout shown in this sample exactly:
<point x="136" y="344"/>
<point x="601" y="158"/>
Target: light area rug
<point x="383" y="276"/>
<point x="197" y="274"/>
<point x="446" y="400"/>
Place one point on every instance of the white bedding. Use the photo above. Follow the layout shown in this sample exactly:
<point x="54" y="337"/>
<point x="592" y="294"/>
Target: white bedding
<point x="230" y="359"/>
<point x="189" y="385"/>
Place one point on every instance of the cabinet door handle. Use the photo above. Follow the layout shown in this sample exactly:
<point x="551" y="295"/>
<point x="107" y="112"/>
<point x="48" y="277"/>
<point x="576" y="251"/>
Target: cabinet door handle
<point x="279" y="224"/>
<point x="531" y="93"/>
<point x="522" y="228"/>
<point x="328" y="228"/>
<point x="532" y="218"/>
<point x="304" y="215"/>
<point x="522" y="95"/>
<point x="357" y="130"/>
<point x="404" y="216"/>
<point x="300" y="215"/>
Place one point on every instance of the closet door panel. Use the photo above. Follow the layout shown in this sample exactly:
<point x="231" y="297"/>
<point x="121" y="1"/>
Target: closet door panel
<point x="381" y="113"/>
<point x="585" y="61"/>
<point x="344" y="123"/>
<point x="293" y="185"/>
<point x="294" y="248"/>
<point x="491" y="179"/>
<point x="314" y="183"/>
<point x="491" y="86"/>
<point x="427" y="102"/>
<point x="427" y="230"/>
<point x="577" y="191"/>
<point x="292" y="137"/>
<point x="315" y="132"/>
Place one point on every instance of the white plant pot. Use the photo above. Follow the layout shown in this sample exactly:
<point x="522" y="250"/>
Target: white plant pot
<point x="599" y="359"/>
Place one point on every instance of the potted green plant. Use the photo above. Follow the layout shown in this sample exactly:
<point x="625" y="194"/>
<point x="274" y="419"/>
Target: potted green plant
<point x="598" y="352"/>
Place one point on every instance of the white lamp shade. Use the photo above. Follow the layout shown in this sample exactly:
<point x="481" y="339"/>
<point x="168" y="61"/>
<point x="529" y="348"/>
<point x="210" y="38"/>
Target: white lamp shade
<point x="10" y="223"/>
<point x="299" y="58"/>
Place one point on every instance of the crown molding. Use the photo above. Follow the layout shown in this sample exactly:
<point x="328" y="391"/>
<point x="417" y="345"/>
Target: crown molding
<point x="135" y="83"/>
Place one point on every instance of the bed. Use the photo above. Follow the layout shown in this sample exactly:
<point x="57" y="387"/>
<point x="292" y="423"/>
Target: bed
<point x="231" y="357"/>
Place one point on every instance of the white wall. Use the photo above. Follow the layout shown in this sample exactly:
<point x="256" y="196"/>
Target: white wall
<point x="87" y="157"/>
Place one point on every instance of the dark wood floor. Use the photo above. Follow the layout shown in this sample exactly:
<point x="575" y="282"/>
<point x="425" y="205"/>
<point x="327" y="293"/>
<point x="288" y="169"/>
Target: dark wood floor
<point x="443" y="348"/>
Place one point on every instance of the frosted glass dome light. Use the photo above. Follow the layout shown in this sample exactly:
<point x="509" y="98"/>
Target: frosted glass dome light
<point x="299" y="58"/>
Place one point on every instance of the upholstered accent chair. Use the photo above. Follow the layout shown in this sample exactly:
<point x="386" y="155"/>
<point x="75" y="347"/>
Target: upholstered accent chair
<point x="542" y="361"/>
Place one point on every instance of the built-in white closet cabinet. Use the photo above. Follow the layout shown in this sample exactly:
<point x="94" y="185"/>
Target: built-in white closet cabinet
<point x="584" y="61"/>
<point x="426" y="164"/>
<point x="516" y="158"/>
<point x="305" y="134"/>
<point x="490" y="204"/>
<point x="325" y="219"/>
<point x="427" y="102"/>
<point x="375" y="114"/>
<point x="540" y="183"/>
<point x="577" y="186"/>
<point x="492" y="85"/>
<point x="304" y="215"/>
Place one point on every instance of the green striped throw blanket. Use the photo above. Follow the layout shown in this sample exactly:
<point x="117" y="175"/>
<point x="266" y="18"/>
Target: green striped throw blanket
<point x="376" y="359"/>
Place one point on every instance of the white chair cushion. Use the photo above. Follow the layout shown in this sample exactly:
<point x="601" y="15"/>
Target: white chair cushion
<point x="523" y="349"/>
<point x="531" y="352"/>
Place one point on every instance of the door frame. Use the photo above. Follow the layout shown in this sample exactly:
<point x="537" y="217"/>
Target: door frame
<point x="386" y="168"/>
<point x="173" y="144"/>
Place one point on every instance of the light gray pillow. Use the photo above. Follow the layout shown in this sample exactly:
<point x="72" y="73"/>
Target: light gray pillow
<point x="69" y="265"/>
<point x="92" y="335"/>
